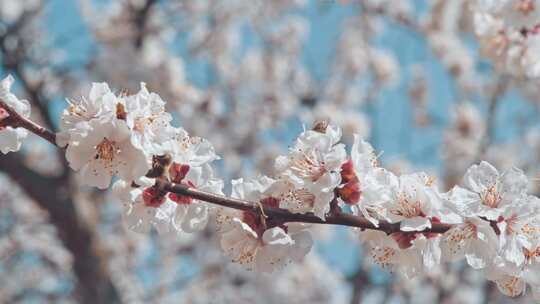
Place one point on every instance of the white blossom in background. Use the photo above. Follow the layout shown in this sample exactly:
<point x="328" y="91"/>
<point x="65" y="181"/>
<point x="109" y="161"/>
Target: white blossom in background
<point x="230" y="284"/>
<point x="11" y="138"/>
<point x="508" y="33"/>
<point x="462" y="140"/>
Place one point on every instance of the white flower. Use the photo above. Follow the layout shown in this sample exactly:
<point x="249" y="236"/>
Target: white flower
<point x="373" y="182"/>
<point x="509" y="285"/>
<point x="474" y="239"/>
<point x="140" y="214"/>
<point x="11" y="138"/>
<point x="519" y="228"/>
<point x="487" y="193"/>
<point x="101" y="101"/>
<point x="386" y="253"/>
<point x="147" y="118"/>
<point x="104" y="149"/>
<point x="186" y="149"/>
<point x="259" y="243"/>
<point x="189" y="165"/>
<point x="314" y="164"/>
<point x="413" y="201"/>
<point x="192" y="215"/>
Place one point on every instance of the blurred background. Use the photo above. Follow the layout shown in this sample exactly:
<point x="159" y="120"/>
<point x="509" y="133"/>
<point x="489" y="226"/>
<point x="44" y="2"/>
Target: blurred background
<point x="248" y="75"/>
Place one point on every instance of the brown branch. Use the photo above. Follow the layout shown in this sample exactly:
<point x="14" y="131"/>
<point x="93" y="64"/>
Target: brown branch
<point x="342" y="219"/>
<point x="20" y="122"/>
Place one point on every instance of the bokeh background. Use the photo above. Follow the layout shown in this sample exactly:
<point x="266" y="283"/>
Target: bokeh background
<point x="249" y="76"/>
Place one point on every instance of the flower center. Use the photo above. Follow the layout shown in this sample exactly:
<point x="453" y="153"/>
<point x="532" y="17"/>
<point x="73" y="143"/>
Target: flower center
<point x="407" y="207"/>
<point x="79" y="109"/>
<point x="491" y="197"/>
<point x="308" y="165"/>
<point x="106" y="150"/>
<point x="299" y="197"/>
<point x="531" y="255"/>
<point x="141" y="123"/>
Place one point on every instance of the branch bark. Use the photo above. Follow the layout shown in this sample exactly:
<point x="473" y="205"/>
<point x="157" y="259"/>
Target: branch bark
<point x="342" y="219"/>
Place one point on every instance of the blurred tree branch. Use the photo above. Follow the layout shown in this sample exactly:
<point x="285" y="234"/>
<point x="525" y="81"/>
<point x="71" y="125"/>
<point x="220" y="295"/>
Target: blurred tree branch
<point x="53" y="195"/>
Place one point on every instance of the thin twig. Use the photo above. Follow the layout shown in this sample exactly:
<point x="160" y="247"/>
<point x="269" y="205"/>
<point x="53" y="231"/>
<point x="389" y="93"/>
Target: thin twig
<point x="21" y="122"/>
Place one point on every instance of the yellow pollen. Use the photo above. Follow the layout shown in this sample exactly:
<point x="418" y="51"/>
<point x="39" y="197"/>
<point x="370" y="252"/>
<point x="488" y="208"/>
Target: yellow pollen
<point x="106" y="150"/>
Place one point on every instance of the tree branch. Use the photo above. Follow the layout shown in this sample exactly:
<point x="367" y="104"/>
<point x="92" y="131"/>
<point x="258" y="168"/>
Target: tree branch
<point x="20" y="122"/>
<point x="342" y="219"/>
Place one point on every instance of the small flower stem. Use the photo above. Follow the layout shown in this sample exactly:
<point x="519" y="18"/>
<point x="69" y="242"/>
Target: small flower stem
<point x="334" y="218"/>
<point x="17" y="121"/>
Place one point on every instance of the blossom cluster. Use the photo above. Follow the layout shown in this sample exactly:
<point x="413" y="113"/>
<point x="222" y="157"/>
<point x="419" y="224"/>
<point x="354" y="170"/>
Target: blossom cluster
<point x="508" y="31"/>
<point x="492" y="221"/>
<point x="131" y="137"/>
